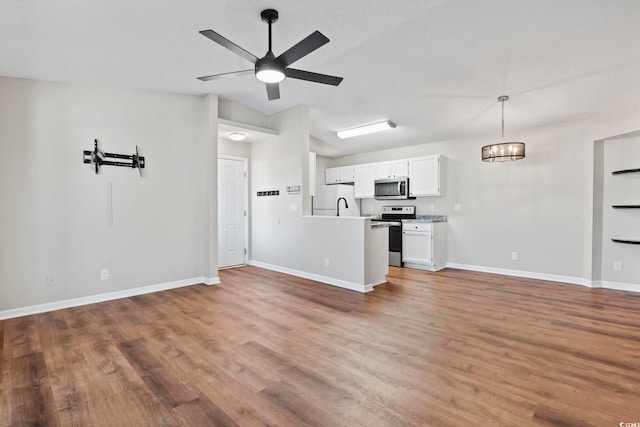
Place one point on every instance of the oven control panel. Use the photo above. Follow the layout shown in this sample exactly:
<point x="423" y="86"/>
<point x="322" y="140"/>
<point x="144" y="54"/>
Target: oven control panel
<point x="402" y="210"/>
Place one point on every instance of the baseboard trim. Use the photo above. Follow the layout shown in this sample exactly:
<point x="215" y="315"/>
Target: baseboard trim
<point x="211" y="281"/>
<point x="521" y="273"/>
<point x="92" y="299"/>
<point x="352" y="286"/>
<point x="619" y="286"/>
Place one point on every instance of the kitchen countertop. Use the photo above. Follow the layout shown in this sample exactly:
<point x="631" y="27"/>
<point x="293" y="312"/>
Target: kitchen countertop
<point x="427" y="218"/>
<point x="419" y="218"/>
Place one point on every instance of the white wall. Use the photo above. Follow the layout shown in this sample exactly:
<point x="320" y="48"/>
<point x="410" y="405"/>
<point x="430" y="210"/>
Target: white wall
<point x="237" y="112"/>
<point x="277" y="163"/>
<point x="541" y="207"/>
<point x="234" y="148"/>
<point x="55" y="210"/>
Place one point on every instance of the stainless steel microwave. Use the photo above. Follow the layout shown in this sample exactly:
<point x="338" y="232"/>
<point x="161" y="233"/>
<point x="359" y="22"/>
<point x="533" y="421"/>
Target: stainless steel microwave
<point x="392" y="188"/>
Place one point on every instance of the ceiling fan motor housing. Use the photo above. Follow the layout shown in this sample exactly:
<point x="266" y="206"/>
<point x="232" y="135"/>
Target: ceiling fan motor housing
<point x="269" y="69"/>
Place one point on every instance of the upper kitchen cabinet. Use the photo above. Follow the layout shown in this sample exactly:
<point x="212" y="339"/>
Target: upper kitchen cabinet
<point x="392" y="169"/>
<point x="424" y="176"/>
<point x="364" y="178"/>
<point x="339" y="175"/>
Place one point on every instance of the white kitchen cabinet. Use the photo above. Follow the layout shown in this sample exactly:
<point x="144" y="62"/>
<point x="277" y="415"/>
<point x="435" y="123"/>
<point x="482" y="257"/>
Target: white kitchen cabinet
<point x="424" y="176"/>
<point x="339" y="175"/>
<point x="392" y="169"/>
<point x="347" y="174"/>
<point x="364" y="178"/>
<point x="332" y="176"/>
<point x="424" y="245"/>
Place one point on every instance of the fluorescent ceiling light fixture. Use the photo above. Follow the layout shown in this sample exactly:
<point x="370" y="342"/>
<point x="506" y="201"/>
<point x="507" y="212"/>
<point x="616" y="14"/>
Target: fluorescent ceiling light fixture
<point x="366" y="129"/>
<point x="237" y="136"/>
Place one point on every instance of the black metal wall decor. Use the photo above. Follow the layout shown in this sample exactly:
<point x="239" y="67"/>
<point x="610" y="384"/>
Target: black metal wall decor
<point x="98" y="158"/>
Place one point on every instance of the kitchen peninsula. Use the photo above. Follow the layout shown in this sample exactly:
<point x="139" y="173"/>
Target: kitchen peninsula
<point x="348" y="252"/>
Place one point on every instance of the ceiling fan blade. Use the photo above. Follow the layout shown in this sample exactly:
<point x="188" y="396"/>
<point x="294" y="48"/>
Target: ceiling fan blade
<point x="313" y="77"/>
<point x="273" y="91"/>
<point x="226" y="75"/>
<point x="224" y="42"/>
<point x="303" y="48"/>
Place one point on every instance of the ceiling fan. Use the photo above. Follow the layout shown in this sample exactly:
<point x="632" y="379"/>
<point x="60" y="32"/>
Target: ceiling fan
<point x="271" y="69"/>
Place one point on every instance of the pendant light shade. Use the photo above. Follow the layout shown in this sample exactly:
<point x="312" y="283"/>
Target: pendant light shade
<point x="504" y="151"/>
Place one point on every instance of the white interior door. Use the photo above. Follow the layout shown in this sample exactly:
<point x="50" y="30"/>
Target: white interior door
<point x="232" y="219"/>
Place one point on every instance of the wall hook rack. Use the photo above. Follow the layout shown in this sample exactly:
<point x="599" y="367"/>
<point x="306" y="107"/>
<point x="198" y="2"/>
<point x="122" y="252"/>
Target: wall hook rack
<point x="98" y="158"/>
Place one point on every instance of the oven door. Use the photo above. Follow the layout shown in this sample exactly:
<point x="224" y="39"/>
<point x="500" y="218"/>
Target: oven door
<point x="395" y="245"/>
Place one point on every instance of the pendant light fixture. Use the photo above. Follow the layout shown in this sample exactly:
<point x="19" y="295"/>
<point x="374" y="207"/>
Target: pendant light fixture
<point x="505" y="151"/>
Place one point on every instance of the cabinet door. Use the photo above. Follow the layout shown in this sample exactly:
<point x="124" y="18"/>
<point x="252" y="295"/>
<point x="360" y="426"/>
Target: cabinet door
<point x="332" y="175"/>
<point x="424" y="176"/>
<point x="347" y="174"/>
<point x="383" y="170"/>
<point x="417" y="247"/>
<point x="399" y="168"/>
<point x="363" y="185"/>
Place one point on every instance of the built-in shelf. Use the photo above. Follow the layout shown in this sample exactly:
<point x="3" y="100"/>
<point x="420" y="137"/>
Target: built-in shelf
<point x="625" y="171"/>
<point x="628" y="242"/>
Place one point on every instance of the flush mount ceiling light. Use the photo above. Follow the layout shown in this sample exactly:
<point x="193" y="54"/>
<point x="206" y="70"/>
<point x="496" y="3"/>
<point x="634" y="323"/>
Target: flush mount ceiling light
<point x="366" y="129"/>
<point x="237" y="136"/>
<point x="505" y="151"/>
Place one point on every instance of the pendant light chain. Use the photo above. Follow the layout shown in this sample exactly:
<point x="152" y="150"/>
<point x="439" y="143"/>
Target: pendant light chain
<point x="502" y="99"/>
<point x="503" y="120"/>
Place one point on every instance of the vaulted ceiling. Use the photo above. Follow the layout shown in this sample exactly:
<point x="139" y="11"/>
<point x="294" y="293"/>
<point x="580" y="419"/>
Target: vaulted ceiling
<point x="435" y="67"/>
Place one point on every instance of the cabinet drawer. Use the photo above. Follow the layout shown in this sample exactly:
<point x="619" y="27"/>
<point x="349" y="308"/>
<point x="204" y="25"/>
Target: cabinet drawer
<point x="417" y="226"/>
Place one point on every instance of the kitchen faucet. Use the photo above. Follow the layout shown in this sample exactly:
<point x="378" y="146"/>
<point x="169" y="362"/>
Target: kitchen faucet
<point x="346" y="205"/>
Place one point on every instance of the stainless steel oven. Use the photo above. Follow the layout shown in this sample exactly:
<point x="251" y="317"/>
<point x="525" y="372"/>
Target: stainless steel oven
<point x="395" y="215"/>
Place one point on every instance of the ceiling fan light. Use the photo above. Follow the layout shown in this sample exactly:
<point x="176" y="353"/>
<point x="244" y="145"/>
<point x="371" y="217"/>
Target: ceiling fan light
<point x="269" y="70"/>
<point x="366" y="129"/>
<point x="270" y="76"/>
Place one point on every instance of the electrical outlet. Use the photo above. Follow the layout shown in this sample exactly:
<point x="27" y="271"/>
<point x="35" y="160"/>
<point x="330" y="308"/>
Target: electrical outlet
<point x="326" y="262"/>
<point x="104" y="274"/>
<point x="617" y="265"/>
<point x="432" y="207"/>
<point x="51" y="280"/>
<point x="457" y="207"/>
<point x="515" y="256"/>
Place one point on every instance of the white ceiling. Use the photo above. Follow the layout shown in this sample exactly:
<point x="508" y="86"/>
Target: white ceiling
<point x="434" y="67"/>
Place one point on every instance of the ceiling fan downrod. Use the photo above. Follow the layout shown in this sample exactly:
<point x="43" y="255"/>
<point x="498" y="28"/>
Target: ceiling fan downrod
<point x="269" y="16"/>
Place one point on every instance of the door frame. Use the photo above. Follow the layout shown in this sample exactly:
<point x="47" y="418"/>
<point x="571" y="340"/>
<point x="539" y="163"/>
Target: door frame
<point x="245" y="163"/>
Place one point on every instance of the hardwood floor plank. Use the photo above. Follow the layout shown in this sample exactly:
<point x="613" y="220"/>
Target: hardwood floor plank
<point x="202" y="412"/>
<point x="21" y="337"/>
<point x="28" y="399"/>
<point x="169" y="390"/>
<point x="264" y="348"/>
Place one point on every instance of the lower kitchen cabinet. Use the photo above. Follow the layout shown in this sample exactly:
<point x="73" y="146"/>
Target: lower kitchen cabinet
<point x="424" y="245"/>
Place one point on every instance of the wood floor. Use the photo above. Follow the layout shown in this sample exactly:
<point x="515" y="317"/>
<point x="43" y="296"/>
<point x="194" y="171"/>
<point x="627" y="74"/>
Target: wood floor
<point x="263" y="349"/>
